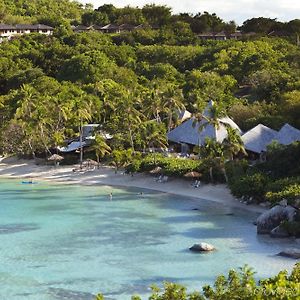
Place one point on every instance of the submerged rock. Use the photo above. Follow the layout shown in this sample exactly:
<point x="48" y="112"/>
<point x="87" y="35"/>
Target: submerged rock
<point x="290" y="252"/>
<point x="202" y="247"/>
<point x="274" y="217"/>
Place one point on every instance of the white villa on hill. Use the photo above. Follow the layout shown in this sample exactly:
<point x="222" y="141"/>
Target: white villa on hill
<point x="8" y="32"/>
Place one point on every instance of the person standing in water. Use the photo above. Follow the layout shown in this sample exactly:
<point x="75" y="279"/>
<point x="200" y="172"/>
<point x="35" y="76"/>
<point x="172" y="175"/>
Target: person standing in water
<point x="110" y="196"/>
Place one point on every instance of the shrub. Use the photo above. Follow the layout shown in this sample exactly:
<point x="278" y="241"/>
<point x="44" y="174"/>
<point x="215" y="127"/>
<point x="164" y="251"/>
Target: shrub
<point x="236" y="169"/>
<point x="250" y="186"/>
<point x="170" y="165"/>
<point x="237" y="285"/>
<point x="293" y="228"/>
<point x="281" y="184"/>
<point x="290" y="193"/>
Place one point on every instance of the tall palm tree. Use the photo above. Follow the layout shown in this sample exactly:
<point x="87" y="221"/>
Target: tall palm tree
<point x="129" y="115"/>
<point x="83" y="112"/>
<point x="153" y="135"/>
<point x="100" y="147"/>
<point x="172" y="100"/>
<point x="233" y="143"/>
<point x="212" y="116"/>
<point x="153" y="103"/>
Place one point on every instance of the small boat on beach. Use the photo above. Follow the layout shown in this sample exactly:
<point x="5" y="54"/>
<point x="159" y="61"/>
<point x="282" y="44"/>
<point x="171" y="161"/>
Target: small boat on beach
<point x="29" y="182"/>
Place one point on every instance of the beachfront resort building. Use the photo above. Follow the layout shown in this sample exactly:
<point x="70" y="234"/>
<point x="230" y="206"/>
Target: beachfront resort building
<point x="8" y="32"/>
<point x="194" y="133"/>
<point x="257" y="139"/>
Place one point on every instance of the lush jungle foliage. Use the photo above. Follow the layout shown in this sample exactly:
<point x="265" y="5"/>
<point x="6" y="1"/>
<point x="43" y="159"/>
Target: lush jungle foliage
<point x="237" y="285"/>
<point x="273" y="180"/>
<point x="48" y="84"/>
<point x="134" y="84"/>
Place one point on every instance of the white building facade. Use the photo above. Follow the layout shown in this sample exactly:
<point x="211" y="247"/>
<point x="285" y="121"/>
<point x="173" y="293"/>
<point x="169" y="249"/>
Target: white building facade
<point x="7" y="32"/>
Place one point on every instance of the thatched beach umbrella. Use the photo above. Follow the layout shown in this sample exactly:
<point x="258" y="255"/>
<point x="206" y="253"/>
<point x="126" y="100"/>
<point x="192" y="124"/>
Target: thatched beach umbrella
<point x="193" y="174"/>
<point x="55" y="157"/>
<point x="90" y="163"/>
<point x="156" y="170"/>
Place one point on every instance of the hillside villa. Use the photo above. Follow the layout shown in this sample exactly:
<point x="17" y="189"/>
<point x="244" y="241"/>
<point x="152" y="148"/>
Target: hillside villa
<point x="8" y="32"/>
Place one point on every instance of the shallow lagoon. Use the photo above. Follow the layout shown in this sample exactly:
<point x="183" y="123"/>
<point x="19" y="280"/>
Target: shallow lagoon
<point x="70" y="242"/>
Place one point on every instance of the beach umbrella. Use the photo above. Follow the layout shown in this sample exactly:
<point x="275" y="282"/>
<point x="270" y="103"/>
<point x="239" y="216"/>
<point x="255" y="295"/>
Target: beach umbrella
<point x="193" y="174"/>
<point x="55" y="157"/>
<point x="156" y="170"/>
<point x="90" y="162"/>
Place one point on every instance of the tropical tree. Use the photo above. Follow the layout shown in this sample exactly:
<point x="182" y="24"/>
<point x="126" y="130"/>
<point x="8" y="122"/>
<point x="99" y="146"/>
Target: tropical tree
<point x="172" y="102"/>
<point x="153" y="103"/>
<point x="233" y="143"/>
<point x="153" y="135"/>
<point x="100" y="147"/>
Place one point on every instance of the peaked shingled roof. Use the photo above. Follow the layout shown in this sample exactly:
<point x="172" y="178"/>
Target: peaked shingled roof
<point x="288" y="134"/>
<point x="189" y="131"/>
<point x="257" y="138"/>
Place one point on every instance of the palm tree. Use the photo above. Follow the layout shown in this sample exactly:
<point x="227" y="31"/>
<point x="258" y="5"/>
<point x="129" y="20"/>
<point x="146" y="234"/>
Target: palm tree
<point x="153" y="103"/>
<point x="212" y="116"/>
<point x="172" y="100"/>
<point x="154" y="135"/>
<point x="100" y="147"/>
<point x="213" y="152"/>
<point x="130" y="116"/>
<point x="233" y="143"/>
<point x="82" y="113"/>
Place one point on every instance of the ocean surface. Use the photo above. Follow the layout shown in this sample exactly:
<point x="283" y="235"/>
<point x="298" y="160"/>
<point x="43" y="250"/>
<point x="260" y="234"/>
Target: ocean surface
<point x="71" y="242"/>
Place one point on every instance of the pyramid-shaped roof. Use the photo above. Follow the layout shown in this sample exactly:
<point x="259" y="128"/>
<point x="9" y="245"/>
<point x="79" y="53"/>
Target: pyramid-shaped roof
<point x="195" y="132"/>
<point x="258" y="138"/>
<point x="288" y="135"/>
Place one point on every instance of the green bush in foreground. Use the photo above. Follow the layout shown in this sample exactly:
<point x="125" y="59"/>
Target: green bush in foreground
<point x="238" y="285"/>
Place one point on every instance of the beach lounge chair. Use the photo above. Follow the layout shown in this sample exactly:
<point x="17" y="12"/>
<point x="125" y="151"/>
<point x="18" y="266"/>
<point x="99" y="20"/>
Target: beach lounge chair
<point x="159" y="178"/>
<point x="164" y="179"/>
<point x="196" y="184"/>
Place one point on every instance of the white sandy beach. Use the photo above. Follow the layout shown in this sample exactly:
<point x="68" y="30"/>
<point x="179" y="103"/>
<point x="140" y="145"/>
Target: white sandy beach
<point x="13" y="168"/>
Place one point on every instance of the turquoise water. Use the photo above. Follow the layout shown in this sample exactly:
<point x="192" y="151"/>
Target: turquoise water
<point x="70" y="242"/>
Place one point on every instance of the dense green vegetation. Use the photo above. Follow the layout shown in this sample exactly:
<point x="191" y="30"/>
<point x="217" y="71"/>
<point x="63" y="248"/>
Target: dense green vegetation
<point x="273" y="180"/>
<point x="237" y="285"/>
<point x="125" y="87"/>
<point x="134" y="83"/>
<point x="42" y="11"/>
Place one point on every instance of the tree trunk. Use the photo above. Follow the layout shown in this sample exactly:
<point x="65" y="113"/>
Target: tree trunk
<point x="131" y="139"/>
<point x="80" y="144"/>
<point x="170" y="122"/>
<point x="225" y="174"/>
<point x="211" y="174"/>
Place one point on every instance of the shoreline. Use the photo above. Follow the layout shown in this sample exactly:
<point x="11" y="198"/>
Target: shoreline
<point x="105" y="176"/>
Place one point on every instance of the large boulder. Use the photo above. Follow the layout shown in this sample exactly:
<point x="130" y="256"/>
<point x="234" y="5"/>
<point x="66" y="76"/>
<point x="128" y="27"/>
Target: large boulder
<point x="202" y="247"/>
<point x="291" y="252"/>
<point x="274" y="217"/>
<point x="279" y="232"/>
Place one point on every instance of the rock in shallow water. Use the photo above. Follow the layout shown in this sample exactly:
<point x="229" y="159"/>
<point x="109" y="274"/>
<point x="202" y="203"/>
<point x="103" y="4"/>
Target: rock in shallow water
<point x="202" y="247"/>
<point x="273" y="218"/>
<point x="291" y="252"/>
<point x="279" y="232"/>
